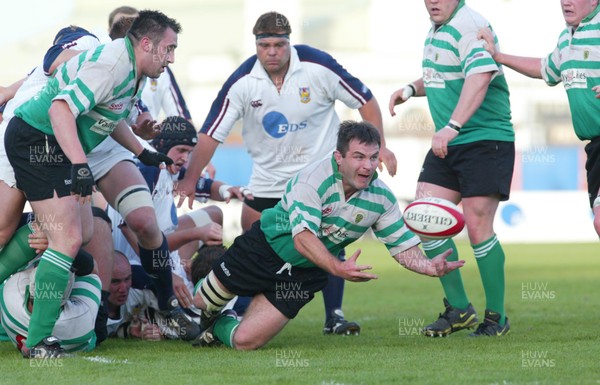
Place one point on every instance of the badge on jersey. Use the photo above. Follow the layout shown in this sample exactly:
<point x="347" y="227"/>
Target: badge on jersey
<point x="304" y="94"/>
<point x="153" y="85"/>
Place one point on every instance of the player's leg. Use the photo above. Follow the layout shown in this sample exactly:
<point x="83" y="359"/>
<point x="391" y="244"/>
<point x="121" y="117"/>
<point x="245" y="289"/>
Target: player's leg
<point x="60" y="220"/>
<point x="11" y="207"/>
<point x="486" y="180"/>
<point x="262" y="322"/>
<point x="333" y="295"/>
<point x="249" y="216"/>
<point x="592" y="167"/>
<point x="479" y="218"/>
<point x="127" y="192"/>
<point x="459" y="313"/>
<point x="101" y="247"/>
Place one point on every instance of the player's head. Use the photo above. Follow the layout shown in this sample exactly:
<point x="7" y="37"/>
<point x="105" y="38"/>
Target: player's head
<point x="357" y="154"/>
<point x="154" y="37"/>
<point x="120" y="12"/>
<point x="120" y="281"/>
<point x="441" y="10"/>
<point x="574" y="11"/>
<point x="203" y="261"/>
<point x="120" y="27"/>
<point x="272" y="31"/>
<point x="176" y="139"/>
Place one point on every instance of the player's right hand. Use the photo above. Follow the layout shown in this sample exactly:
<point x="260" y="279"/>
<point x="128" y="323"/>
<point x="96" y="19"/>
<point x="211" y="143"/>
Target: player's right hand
<point x="350" y="271"/>
<point x="487" y="36"/>
<point x="82" y="181"/>
<point x="185" y="188"/>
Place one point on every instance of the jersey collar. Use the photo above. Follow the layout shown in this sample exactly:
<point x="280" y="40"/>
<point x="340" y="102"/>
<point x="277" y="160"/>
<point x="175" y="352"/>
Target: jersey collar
<point x="131" y="53"/>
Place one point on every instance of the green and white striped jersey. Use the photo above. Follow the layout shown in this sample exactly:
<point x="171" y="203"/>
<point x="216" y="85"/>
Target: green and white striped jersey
<point x="98" y="85"/>
<point x="576" y="62"/>
<point x="452" y="53"/>
<point x="75" y="324"/>
<point x="314" y="200"/>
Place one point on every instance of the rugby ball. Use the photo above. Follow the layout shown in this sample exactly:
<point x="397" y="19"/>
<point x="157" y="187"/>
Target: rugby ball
<point x="434" y="218"/>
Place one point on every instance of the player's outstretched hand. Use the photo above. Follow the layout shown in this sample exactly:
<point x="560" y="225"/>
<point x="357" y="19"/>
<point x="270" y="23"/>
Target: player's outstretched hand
<point x="146" y="129"/>
<point x="440" y="266"/>
<point x="350" y="271"/>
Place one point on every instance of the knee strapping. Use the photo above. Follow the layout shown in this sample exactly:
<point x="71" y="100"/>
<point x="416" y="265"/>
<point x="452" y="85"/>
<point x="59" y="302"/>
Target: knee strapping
<point x="199" y="217"/>
<point x="212" y="295"/>
<point x="131" y="198"/>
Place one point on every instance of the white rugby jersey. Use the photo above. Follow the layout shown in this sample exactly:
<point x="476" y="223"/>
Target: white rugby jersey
<point x="37" y="80"/>
<point x="314" y="200"/>
<point x="99" y="87"/>
<point x="75" y="324"/>
<point x="163" y="97"/>
<point x="287" y="130"/>
<point x="576" y="62"/>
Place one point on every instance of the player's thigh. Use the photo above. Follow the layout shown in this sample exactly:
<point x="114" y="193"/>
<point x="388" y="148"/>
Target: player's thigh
<point x="261" y="322"/>
<point x="249" y="216"/>
<point x="11" y="207"/>
<point x="428" y="190"/>
<point x="123" y="175"/>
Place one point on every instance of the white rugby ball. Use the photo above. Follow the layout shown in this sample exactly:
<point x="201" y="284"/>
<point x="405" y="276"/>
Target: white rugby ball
<point x="434" y="218"/>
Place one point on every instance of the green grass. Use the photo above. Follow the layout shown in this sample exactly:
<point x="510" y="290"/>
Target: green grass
<point x="552" y="302"/>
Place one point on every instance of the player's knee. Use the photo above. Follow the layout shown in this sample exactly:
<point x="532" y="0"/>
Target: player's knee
<point x="597" y="225"/>
<point x="215" y="213"/>
<point x="143" y="223"/>
<point x="243" y="340"/>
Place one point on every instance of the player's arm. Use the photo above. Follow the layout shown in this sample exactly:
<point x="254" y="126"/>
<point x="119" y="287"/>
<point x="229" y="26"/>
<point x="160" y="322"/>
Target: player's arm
<point x="372" y="113"/>
<point x="61" y="58"/>
<point x="528" y="66"/>
<point x="123" y="135"/>
<point x="211" y="234"/>
<point x="414" y="260"/>
<point x="313" y="249"/>
<point x="65" y="131"/>
<point x="8" y="92"/>
<point x="201" y="155"/>
<point x="416" y="88"/>
<point x="472" y="95"/>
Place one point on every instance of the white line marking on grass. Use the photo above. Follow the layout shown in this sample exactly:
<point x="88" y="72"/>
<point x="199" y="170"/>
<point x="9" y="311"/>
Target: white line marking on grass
<point x="103" y="360"/>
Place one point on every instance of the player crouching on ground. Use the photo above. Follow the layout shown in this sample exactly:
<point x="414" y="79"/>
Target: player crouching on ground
<point x="74" y="328"/>
<point x="286" y="255"/>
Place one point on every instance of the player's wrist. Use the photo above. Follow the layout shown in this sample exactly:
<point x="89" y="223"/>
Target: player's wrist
<point x="454" y="125"/>
<point x="409" y="91"/>
<point x="224" y="191"/>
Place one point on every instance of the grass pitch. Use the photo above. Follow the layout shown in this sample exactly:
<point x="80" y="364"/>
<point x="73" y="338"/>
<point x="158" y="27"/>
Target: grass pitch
<point x="552" y="303"/>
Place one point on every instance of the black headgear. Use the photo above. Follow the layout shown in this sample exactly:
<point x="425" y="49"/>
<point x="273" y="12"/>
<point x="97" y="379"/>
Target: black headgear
<point x="174" y="131"/>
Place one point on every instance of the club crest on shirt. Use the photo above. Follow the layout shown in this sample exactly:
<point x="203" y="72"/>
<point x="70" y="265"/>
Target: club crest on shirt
<point x="304" y="94"/>
<point x="586" y="54"/>
<point x="359" y="217"/>
<point x="153" y="85"/>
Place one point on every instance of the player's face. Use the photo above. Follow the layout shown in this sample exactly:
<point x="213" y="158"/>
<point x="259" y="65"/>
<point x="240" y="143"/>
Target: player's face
<point x="274" y="54"/>
<point x="161" y="54"/>
<point x="120" y="283"/>
<point x="357" y="166"/>
<point x="576" y="10"/>
<point x="180" y="155"/>
<point x="440" y="10"/>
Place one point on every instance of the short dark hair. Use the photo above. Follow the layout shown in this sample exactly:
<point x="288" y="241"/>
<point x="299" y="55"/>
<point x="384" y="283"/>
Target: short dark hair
<point x="120" y="27"/>
<point x="363" y="131"/>
<point x="152" y="24"/>
<point x="203" y="261"/>
<point x="126" y="10"/>
<point x="272" y="22"/>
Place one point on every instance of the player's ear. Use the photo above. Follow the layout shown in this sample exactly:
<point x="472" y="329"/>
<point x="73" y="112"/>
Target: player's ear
<point x="338" y="157"/>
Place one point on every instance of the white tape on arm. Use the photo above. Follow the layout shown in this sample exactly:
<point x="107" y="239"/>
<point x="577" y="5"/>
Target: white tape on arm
<point x="223" y="191"/>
